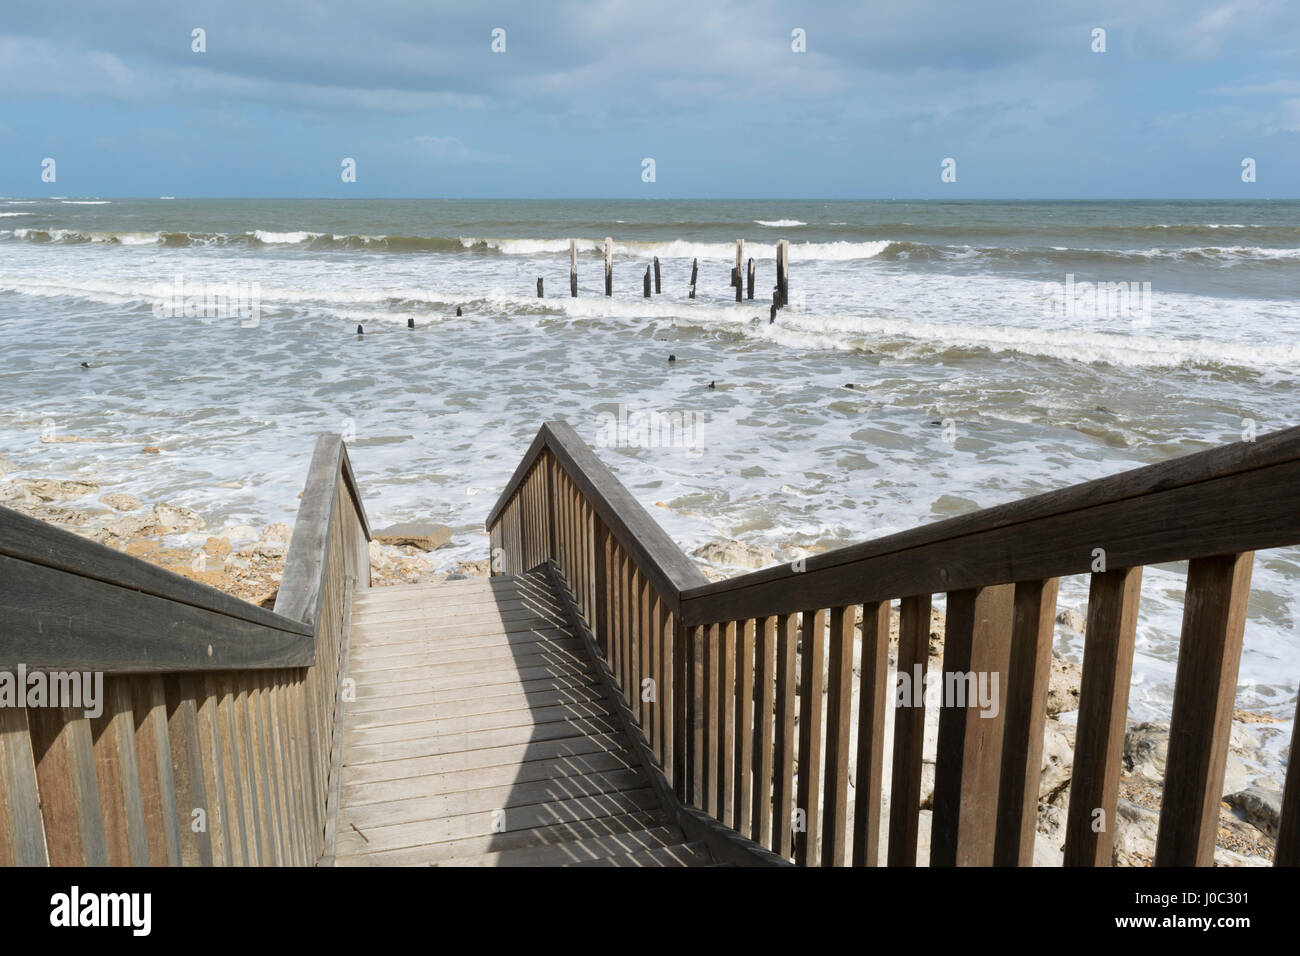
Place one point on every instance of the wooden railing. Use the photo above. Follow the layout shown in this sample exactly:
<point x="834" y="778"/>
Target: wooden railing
<point x="709" y="669"/>
<point x="218" y="726"/>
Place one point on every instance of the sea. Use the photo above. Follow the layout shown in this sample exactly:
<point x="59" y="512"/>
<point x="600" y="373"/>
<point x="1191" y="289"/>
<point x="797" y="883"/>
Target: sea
<point x="994" y="350"/>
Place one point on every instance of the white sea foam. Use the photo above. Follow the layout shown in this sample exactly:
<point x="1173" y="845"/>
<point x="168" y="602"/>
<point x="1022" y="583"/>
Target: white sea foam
<point x="780" y="223"/>
<point x="6" y="215"/>
<point x="283" y="238"/>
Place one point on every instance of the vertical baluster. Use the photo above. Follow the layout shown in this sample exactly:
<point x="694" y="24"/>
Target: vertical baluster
<point x="909" y="729"/>
<point x="68" y="786"/>
<point x="669" y="688"/>
<point x="118" y="772"/>
<point x="783" y="759"/>
<point x="603" y="622"/>
<point x="873" y="696"/>
<point x="22" y="829"/>
<point x="1287" y="851"/>
<point x="968" y="767"/>
<point x="693" y="726"/>
<point x="1209" y="654"/>
<point x="812" y="656"/>
<point x="744" y="726"/>
<point x="712" y="718"/>
<point x="1022" y="742"/>
<point x="1103" y="716"/>
<point x="643" y="706"/>
<point x="726" y="727"/>
<point x="765" y="677"/>
<point x="839" y="707"/>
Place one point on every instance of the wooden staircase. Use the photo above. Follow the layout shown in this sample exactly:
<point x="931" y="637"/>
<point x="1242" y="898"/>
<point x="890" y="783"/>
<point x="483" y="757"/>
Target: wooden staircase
<point x="483" y="734"/>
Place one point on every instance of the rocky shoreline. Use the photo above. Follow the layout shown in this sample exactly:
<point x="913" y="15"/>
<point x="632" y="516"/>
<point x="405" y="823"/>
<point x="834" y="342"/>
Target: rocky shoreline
<point x="248" y="562"/>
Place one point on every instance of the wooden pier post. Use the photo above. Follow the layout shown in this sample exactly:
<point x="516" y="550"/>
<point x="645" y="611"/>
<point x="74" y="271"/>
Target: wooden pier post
<point x="783" y="271"/>
<point x="645" y="283"/>
<point x="695" y="271"/>
<point x="539" y="288"/>
<point x="749" y="282"/>
<point x="609" y="266"/>
<point x="740" y="257"/>
<point x="657" y="289"/>
<point x="573" y="268"/>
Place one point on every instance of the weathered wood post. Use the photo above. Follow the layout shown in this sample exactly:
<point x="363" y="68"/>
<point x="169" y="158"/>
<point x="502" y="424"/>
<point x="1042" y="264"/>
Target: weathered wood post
<point x="749" y="282"/>
<point x="657" y="290"/>
<point x="645" y="283"/>
<point x="573" y="268"/>
<point x="695" y="271"/>
<point x="740" y="256"/>
<point x="609" y="266"/>
<point x="783" y="271"/>
<point x="539" y="288"/>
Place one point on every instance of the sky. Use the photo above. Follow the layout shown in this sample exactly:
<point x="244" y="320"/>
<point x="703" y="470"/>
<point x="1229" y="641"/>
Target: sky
<point x="715" y="93"/>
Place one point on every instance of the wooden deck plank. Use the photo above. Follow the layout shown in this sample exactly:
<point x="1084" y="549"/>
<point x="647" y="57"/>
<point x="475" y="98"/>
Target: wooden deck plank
<point x="481" y="735"/>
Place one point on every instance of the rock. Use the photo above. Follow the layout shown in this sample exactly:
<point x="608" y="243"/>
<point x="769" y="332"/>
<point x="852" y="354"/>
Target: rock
<point x="420" y="534"/>
<point x="1135" y="834"/>
<point x="1146" y="746"/>
<point x="48" y="489"/>
<point x="1058" y="760"/>
<point x="217" y="547"/>
<point x="127" y="527"/>
<point x="1072" y="619"/>
<point x="475" y="569"/>
<point x="1063" y="686"/>
<point x="1261" y="808"/>
<point x="168" y="519"/>
<point x="277" y="533"/>
<point x="378" y="558"/>
<point x="736" y="554"/>
<point x="120" y="501"/>
<point x="11" y="491"/>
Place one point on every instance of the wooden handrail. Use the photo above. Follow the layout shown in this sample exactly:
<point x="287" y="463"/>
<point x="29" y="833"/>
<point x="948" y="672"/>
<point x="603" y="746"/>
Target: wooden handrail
<point x="671" y="571"/>
<point x="71" y="603"/>
<point x="709" y="669"/>
<point x="1234" y="498"/>
<point x="212" y="712"/>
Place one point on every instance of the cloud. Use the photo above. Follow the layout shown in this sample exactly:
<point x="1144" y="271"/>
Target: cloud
<point x="449" y="149"/>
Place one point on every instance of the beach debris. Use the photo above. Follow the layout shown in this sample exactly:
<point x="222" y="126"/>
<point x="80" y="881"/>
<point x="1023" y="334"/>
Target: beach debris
<point x="712" y="384"/>
<point x="458" y="310"/>
<point x="672" y="358"/>
<point x="410" y="323"/>
<point x="85" y="365"/>
<point x="360" y="330"/>
<point x="849" y="385"/>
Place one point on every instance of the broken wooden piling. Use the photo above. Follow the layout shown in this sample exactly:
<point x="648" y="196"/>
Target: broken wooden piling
<point x="749" y="280"/>
<point x="609" y="266"/>
<point x="645" y="283"/>
<point x="657" y="289"/>
<point x="573" y="268"/>
<point x="695" y="271"/>
<point x="783" y="272"/>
